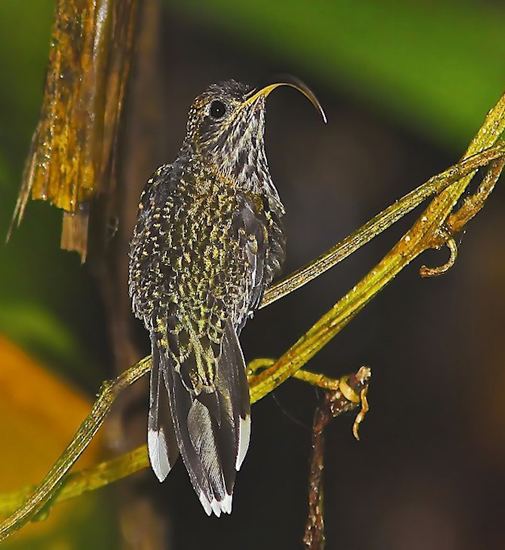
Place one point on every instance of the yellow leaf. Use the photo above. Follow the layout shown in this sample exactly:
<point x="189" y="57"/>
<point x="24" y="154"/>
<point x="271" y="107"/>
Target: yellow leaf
<point x="39" y="414"/>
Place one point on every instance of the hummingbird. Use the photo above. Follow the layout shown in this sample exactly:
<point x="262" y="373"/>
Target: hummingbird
<point x="208" y="241"/>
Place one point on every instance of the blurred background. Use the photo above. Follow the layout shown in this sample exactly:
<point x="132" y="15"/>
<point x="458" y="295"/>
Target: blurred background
<point x="405" y="86"/>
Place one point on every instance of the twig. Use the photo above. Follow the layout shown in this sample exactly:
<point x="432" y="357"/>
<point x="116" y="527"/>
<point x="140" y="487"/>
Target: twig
<point x="334" y="403"/>
<point x="51" y="483"/>
<point x="312" y="378"/>
<point x="424" y="234"/>
<point x="458" y="220"/>
<point x="378" y="224"/>
<point x="474" y="203"/>
<point x="85" y="480"/>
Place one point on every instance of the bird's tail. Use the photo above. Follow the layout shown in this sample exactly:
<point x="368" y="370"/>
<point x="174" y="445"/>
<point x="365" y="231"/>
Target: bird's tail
<point x="212" y="429"/>
<point x="161" y="438"/>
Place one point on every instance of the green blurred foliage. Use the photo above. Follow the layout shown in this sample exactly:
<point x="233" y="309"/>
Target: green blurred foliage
<point x="436" y="67"/>
<point x="34" y="327"/>
<point x="79" y="529"/>
<point x="24" y="45"/>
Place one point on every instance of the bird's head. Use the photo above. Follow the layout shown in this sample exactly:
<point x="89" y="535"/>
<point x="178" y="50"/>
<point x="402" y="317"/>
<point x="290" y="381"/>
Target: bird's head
<point x="226" y="128"/>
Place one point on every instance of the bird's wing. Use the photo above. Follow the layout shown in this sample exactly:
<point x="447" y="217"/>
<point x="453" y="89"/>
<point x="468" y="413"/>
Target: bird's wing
<point x="206" y="371"/>
<point x="276" y="251"/>
<point x="194" y="291"/>
<point x="250" y="230"/>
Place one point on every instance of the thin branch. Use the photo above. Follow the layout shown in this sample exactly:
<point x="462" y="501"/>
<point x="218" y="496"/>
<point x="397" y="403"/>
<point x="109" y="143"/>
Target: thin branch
<point x="456" y="222"/>
<point x="85" y="480"/>
<point x="423" y="235"/>
<point x="50" y="485"/>
<point x="334" y="403"/>
<point x="312" y="378"/>
<point x="474" y="203"/>
<point x="378" y="224"/>
<point x="450" y="242"/>
<point x="109" y="471"/>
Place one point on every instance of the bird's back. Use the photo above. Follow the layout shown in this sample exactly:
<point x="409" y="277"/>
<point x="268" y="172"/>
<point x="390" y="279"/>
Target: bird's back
<point x="199" y="249"/>
<point x="200" y="260"/>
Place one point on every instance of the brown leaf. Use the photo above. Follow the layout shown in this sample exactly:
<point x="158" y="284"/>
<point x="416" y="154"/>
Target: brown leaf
<point x="72" y="153"/>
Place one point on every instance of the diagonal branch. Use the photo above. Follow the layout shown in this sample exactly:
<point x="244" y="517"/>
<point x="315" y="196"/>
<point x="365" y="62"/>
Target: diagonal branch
<point x="107" y="472"/>
<point x="425" y="233"/>
<point x="378" y="224"/>
<point x="51" y="483"/>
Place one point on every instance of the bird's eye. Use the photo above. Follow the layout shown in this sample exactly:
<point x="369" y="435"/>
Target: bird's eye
<point x="217" y="109"/>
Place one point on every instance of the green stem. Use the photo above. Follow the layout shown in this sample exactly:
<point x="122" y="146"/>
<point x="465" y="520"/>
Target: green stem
<point x="378" y="224"/>
<point x="422" y="236"/>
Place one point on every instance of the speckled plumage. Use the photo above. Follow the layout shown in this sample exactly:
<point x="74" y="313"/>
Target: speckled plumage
<point x="200" y="255"/>
<point x="207" y="242"/>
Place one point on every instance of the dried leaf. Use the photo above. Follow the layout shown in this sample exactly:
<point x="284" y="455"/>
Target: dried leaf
<point x="73" y="148"/>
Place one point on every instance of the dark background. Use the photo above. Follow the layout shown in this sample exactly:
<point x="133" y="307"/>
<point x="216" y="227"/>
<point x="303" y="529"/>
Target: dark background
<point x="405" y="87"/>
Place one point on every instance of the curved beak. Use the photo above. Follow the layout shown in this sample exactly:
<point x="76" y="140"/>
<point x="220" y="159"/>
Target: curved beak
<point x="292" y="82"/>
